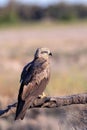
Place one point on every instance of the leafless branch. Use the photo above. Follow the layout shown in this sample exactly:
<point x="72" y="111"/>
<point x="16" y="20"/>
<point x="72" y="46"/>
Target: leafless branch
<point x="49" y="102"/>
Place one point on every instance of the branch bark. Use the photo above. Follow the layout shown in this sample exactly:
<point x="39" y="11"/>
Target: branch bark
<point x="49" y="102"/>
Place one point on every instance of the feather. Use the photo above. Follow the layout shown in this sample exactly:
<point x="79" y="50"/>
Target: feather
<point x="34" y="79"/>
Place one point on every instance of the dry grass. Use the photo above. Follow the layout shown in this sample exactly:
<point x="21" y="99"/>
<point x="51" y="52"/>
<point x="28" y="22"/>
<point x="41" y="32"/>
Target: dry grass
<point x="68" y="43"/>
<point x="17" y="46"/>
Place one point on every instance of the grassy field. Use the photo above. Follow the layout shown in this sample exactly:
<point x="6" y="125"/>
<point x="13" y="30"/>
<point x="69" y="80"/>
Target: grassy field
<point x="68" y="64"/>
<point x="68" y="42"/>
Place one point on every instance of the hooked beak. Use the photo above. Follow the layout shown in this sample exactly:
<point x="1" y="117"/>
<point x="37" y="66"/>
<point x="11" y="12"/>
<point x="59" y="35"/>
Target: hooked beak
<point x="50" y="54"/>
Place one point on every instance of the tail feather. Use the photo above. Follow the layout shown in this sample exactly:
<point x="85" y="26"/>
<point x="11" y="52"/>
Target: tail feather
<point x="20" y="104"/>
<point x="19" y="109"/>
<point x="22" y="107"/>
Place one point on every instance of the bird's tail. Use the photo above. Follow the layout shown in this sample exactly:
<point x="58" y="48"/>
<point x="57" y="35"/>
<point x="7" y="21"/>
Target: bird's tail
<point x="22" y="107"/>
<point x="19" y="114"/>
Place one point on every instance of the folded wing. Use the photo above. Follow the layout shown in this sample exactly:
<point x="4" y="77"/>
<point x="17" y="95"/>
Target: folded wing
<point x="33" y="82"/>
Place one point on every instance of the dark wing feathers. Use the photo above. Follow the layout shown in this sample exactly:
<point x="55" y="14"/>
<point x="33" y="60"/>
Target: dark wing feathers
<point x="25" y="75"/>
<point x="33" y="84"/>
<point x="30" y="70"/>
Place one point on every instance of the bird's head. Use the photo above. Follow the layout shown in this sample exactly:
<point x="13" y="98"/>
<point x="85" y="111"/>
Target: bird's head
<point x="43" y="53"/>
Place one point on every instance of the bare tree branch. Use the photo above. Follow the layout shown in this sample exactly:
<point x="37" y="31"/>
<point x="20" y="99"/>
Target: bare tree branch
<point x="49" y="102"/>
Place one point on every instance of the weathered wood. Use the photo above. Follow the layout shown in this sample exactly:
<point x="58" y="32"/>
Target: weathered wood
<point x="49" y="102"/>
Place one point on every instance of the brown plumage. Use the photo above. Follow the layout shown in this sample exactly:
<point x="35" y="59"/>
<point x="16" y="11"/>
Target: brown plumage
<point x="34" y="79"/>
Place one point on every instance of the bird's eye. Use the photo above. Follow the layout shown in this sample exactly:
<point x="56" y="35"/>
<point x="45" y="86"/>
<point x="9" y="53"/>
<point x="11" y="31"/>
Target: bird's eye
<point x="44" y="52"/>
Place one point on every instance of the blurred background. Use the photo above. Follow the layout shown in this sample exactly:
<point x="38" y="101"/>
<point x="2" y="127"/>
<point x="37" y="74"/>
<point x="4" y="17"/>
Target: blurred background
<point x="60" y="25"/>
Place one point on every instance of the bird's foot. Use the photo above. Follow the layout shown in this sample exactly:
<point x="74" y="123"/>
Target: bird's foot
<point x="43" y="95"/>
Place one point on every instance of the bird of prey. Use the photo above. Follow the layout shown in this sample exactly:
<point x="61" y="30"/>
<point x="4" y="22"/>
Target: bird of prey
<point x="34" y="78"/>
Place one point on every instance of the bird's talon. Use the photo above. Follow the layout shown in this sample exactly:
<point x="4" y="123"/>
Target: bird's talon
<point x="43" y="95"/>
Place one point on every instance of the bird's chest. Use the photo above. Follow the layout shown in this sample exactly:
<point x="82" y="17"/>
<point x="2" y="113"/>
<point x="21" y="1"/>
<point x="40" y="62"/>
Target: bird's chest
<point x="44" y="75"/>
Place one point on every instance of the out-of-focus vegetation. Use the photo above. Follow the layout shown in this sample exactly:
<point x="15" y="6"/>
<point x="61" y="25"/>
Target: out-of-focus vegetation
<point x="68" y="43"/>
<point x="68" y="64"/>
<point x="14" y="12"/>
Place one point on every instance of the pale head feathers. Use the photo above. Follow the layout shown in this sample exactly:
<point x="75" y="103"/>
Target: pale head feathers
<point x="42" y="53"/>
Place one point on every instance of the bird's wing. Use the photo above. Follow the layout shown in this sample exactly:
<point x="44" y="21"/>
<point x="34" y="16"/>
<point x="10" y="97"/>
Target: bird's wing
<point x="39" y="76"/>
<point x="36" y="85"/>
<point x="27" y="69"/>
<point x="25" y="77"/>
